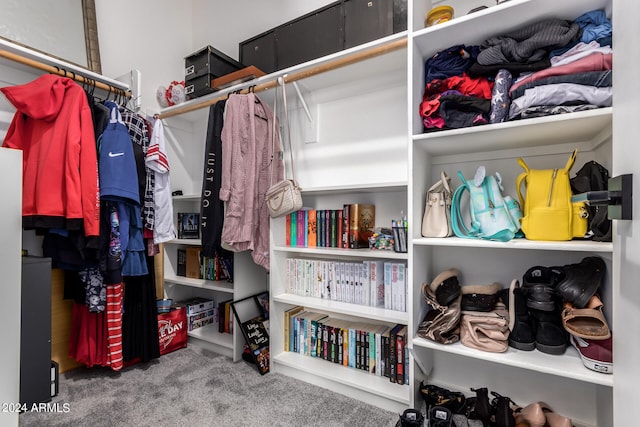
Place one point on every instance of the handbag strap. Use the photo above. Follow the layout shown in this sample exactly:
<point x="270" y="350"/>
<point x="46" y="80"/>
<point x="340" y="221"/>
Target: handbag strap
<point x="286" y="119"/>
<point x="273" y="132"/>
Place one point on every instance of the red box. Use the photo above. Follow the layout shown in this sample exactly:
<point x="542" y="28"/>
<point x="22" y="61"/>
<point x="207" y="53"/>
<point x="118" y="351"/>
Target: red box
<point x="172" y="330"/>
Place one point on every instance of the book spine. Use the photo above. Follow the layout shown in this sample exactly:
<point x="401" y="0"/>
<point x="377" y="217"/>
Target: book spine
<point x="345" y="226"/>
<point x="287" y="230"/>
<point x="400" y="339"/>
<point x="395" y="287"/>
<point x="372" y="352"/>
<point x="345" y="346"/>
<point x="393" y="360"/>
<point x="327" y="228"/>
<point x="352" y="347"/>
<point x="312" y="229"/>
<point x="334" y="228"/>
<point x="358" y="349"/>
<point x="294" y="228"/>
<point x="340" y="345"/>
<point x="353" y="225"/>
<point x="301" y="231"/>
<point x="387" y="285"/>
<point x="340" y="225"/>
<point x="320" y="227"/>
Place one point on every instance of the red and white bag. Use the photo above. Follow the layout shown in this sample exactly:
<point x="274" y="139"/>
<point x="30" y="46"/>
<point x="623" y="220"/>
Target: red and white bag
<point x="172" y="330"/>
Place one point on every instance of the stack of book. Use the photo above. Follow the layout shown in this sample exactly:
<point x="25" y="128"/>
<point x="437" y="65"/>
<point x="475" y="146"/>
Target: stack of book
<point x="375" y="283"/>
<point x="200" y="312"/>
<point x="192" y="264"/>
<point x="347" y="228"/>
<point x="378" y="349"/>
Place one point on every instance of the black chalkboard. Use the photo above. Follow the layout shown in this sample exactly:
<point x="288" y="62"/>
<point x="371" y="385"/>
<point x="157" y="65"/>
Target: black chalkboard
<point x="250" y="314"/>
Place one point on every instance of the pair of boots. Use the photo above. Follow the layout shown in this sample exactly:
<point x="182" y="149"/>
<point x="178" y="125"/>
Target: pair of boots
<point x="535" y="313"/>
<point x="496" y="413"/>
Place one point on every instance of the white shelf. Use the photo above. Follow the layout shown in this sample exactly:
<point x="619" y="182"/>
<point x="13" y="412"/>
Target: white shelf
<point x="572" y="245"/>
<point x="209" y="333"/>
<point x="187" y="198"/>
<point x="568" y="128"/>
<point x="342" y="253"/>
<point x="221" y="285"/>
<point x="370" y="383"/>
<point x="469" y="29"/>
<point x="568" y="365"/>
<point x="363" y="311"/>
<point x="193" y="242"/>
<point x="362" y="188"/>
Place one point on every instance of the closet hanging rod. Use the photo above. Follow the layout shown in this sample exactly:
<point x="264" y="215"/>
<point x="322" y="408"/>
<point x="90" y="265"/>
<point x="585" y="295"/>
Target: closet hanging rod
<point x="312" y="71"/>
<point x="61" y="72"/>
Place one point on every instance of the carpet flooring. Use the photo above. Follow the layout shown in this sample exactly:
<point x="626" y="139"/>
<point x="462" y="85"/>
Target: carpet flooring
<point x="196" y="387"/>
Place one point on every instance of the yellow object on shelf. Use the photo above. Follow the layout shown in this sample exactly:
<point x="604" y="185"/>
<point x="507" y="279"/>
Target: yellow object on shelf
<point x="438" y="15"/>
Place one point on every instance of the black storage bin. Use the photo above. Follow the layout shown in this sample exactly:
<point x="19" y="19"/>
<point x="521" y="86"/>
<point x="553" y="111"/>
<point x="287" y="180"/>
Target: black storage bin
<point x="367" y="20"/>
<point x="311" y="36"/>
<point x="198" y="86"/>
<point x="209" y="61"/>
<point x="260" y="51"/>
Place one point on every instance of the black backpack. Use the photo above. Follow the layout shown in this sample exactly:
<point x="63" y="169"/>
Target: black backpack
<point x="594" y="177"/>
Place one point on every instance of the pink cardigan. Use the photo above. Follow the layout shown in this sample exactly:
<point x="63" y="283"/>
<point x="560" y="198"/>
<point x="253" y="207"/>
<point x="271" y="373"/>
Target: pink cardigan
<point x="247" y="152"/>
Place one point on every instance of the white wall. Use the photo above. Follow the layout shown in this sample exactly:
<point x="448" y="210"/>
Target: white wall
<point x="151" y="36"/>
<point x="238" y="20"/>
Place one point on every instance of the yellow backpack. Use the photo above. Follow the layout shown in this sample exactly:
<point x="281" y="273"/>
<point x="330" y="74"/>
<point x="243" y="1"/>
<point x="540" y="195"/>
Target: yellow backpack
<point x="548" y="211"/>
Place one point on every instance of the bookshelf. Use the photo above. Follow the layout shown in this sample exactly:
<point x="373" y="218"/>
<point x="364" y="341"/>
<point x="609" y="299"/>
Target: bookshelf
<point x="366" y="145"/>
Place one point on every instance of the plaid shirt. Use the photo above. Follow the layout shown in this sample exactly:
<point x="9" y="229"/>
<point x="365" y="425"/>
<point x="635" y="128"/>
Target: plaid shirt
<point x="140" y="135"/>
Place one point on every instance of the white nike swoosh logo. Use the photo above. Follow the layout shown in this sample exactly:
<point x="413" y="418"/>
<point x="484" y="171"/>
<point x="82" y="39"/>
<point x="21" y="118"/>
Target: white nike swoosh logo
<point x="115" y="154"/>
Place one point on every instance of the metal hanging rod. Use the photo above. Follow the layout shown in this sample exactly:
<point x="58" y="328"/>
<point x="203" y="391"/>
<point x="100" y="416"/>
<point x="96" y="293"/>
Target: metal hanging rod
<point x="312" y="71"/>
<point x="62" y="72"/>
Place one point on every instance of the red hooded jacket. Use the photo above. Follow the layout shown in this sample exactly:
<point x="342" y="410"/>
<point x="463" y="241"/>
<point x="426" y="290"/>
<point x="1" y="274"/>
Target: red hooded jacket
<point x="54" y="129"/>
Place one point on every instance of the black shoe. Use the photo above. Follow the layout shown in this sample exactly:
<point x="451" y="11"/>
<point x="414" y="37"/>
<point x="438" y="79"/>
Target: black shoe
<point x="439" y="416"/>
<point x="522" y="334"/>
<point x="579" y="282"/>
<point x="411" y="418"/>
<point x="539" y="283"/>
<point x="551" y="337"/>
<point x="482" y="409"/>
<point x="439" y="396"/>
<point x="503" y="411"/>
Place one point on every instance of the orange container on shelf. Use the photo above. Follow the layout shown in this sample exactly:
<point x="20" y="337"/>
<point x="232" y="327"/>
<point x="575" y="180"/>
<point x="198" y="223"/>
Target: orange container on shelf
<point x="438" y="15"/>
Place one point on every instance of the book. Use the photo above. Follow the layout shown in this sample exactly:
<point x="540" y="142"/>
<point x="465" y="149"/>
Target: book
<point x="288" y="332"/>
<point x="361" y="223"/>
<point x="193" y="270"/>
<point x="257" y="339"/>
<point x="393" y="355"/>
<point x="301" y="231"/>
<point x="287" y="230"/>
<point x="188" y="225"/>
<point x="312" y="228"/>
<point x="401" y="338"/>
<point x="376" y="282"/>
<point x="345" y="226"/>
<point x="387" y="285"/>
<point x="181" y="265"/>
<point x="294" y="228"/>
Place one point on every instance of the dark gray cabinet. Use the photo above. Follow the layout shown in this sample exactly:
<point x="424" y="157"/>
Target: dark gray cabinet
<point x="332" y="28"/>
<point x="35" y="331"/>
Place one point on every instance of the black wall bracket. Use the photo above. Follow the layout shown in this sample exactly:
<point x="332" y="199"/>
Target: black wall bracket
<point x="618" y="198"/>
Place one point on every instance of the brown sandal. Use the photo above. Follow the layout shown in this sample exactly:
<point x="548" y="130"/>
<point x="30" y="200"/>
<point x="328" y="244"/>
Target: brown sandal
<point x="588" y="322"/>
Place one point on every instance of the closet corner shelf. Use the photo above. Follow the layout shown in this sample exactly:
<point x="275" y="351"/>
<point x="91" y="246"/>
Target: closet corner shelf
<point x="571" y="245"/>
<point x="349" y="64"/>
<point x="220" y="285"/>
<point x="209" y="333"/>
<point x="343" y="253"/>
<point x="575" y="127"/>
<point x="187" y="198"/>
<point x="194" y="242"/>
<point x="363" y="311"/>
<point x="378" y="385"/>
<point x="568" y="365"/>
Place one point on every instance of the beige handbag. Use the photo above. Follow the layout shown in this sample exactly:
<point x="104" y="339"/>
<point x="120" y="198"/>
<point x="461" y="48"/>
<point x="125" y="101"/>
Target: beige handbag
<point x="487" y="331"/>
<point x="284" y="197"/>
<point x="436" y="221"/>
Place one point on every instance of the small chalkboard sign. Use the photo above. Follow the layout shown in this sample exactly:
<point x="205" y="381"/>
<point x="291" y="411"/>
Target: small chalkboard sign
<point x="250" y="314"/>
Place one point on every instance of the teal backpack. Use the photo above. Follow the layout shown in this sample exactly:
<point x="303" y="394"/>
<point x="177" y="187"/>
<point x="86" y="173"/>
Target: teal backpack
<point x="492" y="215"/>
